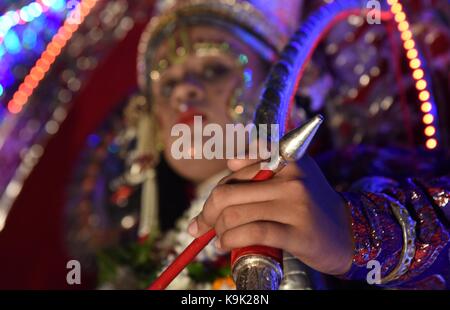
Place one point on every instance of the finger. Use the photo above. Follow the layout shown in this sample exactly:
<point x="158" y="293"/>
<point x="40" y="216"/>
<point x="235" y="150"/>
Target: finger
<point x="270" y="234"/>
<point x="244" y="174"/>
<point x="238" y="164"/>
<point x="252" y="155"/>
<point x="247" y="173"/>
<point x="198" y="226"/>
<point x="238" y="215"/>
<point x="226" y="195"/>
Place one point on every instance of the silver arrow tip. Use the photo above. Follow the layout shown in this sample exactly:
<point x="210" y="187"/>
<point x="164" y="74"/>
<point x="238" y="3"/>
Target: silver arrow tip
<point x="294" y="144"/>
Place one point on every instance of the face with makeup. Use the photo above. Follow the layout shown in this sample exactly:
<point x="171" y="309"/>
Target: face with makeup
<point x="209" y="81"/>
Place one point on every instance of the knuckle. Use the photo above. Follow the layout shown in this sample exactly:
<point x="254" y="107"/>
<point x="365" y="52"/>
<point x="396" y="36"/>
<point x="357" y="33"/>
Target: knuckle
<point x="230" y="217"/>
<point x="217" y="194"/>
<point x="208" y="216"/>
<point x="216" y="201"/>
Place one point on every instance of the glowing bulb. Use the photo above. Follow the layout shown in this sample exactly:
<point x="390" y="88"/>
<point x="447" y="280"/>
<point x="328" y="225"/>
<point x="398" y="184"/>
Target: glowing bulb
<point x="43" y="64"/>
<point x="14" y="108"/>
<point x="403" y="26"/>
<point x="53" y="49"/>
<point x="421" y="84"/>
<point x="35" y="9"/>
<point x="431" y="144"/>
<point x="20" y="97"/>
<point x="424" y="95"/>
<point x="37" y="73"/>
<point x="428" y="119"/>
<point x="430" y="131"/>
<point x="409" y="44"/>
<point x="415" y="63"/>
<point x="400" y="17"/>
<point x="418" y="74"/>
<point x="24" y="88"/>
<point x="396" y="8"/>
<point x="59" y="40"/>
<point x="48" y="57"/>
<point x="406" y="35"/>
<point x="412" y="53"/>
<point x="425" y="107"/>
<point x="25" y="15"/>
<point x="64" y="33"/>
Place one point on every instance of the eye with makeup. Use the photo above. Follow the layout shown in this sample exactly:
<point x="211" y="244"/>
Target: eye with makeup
<point x="211" y="71"/>
<point x="215" y="70"/>
<point x="167" y="86"/>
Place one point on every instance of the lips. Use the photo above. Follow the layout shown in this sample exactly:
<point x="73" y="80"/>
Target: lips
<point x="188" y="116"/>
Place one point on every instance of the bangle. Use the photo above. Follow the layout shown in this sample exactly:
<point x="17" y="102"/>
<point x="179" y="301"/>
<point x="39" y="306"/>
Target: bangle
<point x="408" y="230"/>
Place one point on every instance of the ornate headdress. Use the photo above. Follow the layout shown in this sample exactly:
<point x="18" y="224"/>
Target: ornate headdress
<point x="266" y="24"/>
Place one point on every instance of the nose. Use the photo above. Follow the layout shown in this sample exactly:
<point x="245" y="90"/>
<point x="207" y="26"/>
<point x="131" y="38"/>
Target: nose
<point x="187" y="93"/>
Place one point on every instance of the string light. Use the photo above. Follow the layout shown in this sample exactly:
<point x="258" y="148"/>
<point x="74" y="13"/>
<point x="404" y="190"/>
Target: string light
<point x="431" y="143"/>
<point x="425" y="107"/>
<point x="418" y="74"/>
<point x="421" y="84"/>
<point x="409" y="44"/>
<point x="424" y="95"/>
<point x="403" y="26"/>
<point x="428" y="118"/>
<point x="396" y="8"/>
<point x="19" y="48"/>
<point x="415" y="63"/>
<point x="430" y="131"/>
<point x="412" y="53"/>
<point x="406" y="35"/>
<point x="400" y="17"/>
<point x="43" y="64"/>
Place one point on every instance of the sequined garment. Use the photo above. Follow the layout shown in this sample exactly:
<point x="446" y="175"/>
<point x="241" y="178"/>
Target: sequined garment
<point x="377" y="232"/>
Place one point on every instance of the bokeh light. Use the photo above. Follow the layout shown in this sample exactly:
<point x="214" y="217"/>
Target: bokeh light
<point x="418" y="74"/>
<point x="48" y="56"/>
